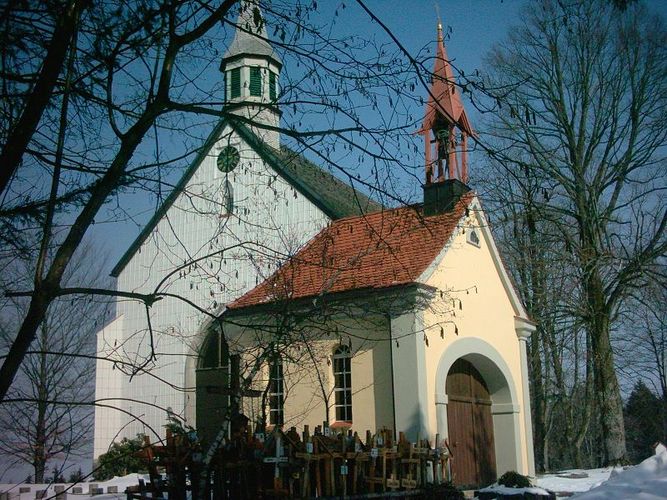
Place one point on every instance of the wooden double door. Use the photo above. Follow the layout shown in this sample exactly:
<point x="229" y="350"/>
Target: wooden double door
<point x="470" y="426"/>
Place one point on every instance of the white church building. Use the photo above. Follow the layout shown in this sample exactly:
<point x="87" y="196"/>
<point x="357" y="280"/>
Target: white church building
<point x="411" y="321"/>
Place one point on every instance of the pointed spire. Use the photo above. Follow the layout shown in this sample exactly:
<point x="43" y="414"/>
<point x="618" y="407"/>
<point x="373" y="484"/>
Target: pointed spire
<point x="445" y="122"/>
<point x="251" y="38"/>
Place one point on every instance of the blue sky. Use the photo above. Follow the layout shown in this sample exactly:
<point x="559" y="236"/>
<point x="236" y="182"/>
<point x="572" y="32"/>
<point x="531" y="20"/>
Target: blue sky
<point x="473" y="26"/>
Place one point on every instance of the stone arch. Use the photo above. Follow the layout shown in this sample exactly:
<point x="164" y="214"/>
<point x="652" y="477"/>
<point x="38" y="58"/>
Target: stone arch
<point x="502" y="389"/>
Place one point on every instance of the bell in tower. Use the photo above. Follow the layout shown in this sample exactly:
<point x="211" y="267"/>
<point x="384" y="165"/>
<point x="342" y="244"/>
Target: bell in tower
<point x="446" y="130"/>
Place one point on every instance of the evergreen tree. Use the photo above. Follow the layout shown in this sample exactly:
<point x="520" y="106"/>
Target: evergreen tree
<point x="76" y="477"/>
<point x="642" y="421"/>
<point x="120" y="460"/>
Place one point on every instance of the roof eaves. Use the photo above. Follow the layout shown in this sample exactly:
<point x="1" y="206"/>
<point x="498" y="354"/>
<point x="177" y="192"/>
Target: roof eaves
<point x="324" y="300"/>
<point x="240" y="55"/>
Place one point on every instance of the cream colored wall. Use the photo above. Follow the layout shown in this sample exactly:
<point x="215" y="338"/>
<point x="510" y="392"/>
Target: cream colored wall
<point x="476" y="302"/>
<point x="372" y="406"/>
<point x="470" y="297"/>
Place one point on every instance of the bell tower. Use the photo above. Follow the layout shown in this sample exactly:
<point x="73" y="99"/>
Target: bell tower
<point x="252" y="69"/>
<point x="446" y="130"/>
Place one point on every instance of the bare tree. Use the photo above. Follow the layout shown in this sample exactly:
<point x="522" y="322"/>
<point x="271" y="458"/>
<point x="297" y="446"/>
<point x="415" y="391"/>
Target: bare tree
<point x="125" y="85"/>
<point x="583" y="100"/>
<point x="642" y="341"/>
<point x="545" y="278"/>
<point x="43" y="417"/>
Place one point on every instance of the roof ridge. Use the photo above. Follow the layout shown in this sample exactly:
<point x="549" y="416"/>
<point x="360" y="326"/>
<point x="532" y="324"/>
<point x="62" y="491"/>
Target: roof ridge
<point x="334" y="205"/>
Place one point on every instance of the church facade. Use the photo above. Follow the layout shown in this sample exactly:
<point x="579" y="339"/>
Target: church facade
<point x="332" y="307"/>
<point x="243" y="206"/>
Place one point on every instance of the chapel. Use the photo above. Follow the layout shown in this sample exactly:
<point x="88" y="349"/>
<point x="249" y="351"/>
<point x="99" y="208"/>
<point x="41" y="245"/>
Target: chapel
<point x="332" y="307"/>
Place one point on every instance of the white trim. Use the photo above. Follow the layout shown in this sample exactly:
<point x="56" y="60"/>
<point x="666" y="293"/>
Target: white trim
<point x="441" y="399"/>
<point x="524" y="328"/>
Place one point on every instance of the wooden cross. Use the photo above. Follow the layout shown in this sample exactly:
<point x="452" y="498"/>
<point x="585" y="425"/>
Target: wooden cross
<point x="279" y="458"/>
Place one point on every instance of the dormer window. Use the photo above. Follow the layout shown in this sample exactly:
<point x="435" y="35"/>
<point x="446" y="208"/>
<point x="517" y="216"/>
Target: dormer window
<point x="255" y="81"/>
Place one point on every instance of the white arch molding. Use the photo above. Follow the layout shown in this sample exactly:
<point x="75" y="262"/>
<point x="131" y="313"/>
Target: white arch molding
<point x="505" y="409"/>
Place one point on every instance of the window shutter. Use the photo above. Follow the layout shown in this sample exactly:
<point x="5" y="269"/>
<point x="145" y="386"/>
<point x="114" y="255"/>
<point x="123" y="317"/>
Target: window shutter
<point x="255" y="81"/>
<point x="272" y="86"/>
<point x="235" y="82"/>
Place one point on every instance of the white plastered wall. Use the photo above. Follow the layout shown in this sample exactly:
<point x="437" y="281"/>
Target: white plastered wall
<point x="269" y="214"/>
<point x="108" y="386"/>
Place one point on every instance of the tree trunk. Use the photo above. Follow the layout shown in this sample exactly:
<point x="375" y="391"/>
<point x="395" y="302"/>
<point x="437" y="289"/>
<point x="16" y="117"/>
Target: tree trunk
<point x="608" y="395"/>
<point x="41" y="93"/>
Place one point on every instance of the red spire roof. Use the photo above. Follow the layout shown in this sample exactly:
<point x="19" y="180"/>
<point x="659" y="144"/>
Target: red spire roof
<point x="375" y="251"/>
<point x="444" y="98"/>
<point x="445" y="149"/>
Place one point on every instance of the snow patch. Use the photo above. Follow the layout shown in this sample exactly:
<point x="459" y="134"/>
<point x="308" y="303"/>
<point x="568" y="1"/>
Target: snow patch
<point x="646" y="481"/>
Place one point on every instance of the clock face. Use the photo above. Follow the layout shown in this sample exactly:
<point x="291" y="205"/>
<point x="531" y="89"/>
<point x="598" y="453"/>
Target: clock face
<point x="228" y="159"/>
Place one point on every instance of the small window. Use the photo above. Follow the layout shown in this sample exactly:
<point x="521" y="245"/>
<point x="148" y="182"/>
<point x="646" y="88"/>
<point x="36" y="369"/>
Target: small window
<point x="342" y="367"/>
<point x="255" y="81"/>
<point x="473" y="238"/>
<point x="227" y="198"/>
<point x="215" y="353"/>
<point x="235" y="82"/>
<point x="276" y="393"/>
<point x="272" y="86"/>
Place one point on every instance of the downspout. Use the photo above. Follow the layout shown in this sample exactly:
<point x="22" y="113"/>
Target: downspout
<point x="391" y="366"/>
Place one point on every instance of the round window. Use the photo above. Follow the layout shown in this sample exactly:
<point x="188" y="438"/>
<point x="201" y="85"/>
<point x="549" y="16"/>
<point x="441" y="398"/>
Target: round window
<point x="228" y="159"/>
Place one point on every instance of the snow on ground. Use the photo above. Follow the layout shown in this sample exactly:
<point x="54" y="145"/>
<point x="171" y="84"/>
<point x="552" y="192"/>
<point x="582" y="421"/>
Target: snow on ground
<point x="573" y="481"/>
<point x="117" y="484"/>
<point x="646" y="481"/>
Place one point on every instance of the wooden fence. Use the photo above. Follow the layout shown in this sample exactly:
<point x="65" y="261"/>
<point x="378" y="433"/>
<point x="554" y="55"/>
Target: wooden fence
<point x="275" y="464"/>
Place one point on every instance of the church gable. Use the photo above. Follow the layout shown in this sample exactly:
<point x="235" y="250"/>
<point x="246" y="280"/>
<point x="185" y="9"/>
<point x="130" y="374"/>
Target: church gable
<point x="372" y="252"/>
<point x="200" y="195"/>
<point x="473" y="261"/>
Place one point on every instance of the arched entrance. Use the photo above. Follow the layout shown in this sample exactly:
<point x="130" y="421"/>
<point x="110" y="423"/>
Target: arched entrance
<point x="470" y="425"/>
<point x="491" y="379"/>
<point x="212" y="385"/>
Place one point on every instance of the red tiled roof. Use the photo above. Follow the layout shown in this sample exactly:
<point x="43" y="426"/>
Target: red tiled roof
<point x="377" y="250"/>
